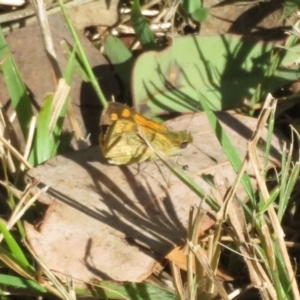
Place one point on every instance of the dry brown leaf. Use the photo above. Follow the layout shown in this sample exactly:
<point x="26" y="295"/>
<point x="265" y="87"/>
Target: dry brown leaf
<point x="178" y="257"/>
<point x="114" y="222"/>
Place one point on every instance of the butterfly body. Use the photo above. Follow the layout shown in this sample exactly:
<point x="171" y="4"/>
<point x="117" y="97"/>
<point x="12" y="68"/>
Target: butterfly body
<point x="121" y="142"/>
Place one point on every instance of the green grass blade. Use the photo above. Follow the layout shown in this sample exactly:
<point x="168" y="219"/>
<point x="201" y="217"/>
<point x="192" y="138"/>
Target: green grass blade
<point x="181" y="174"/>
<point x="43" y="144"/>
<point x="141" y="27"/>
<point x="68" y="75"/>
<point x="267" y="149"/>
<point x="83" y="57"/>
<point x="63" y="140"/>
<point x="43" y="138"/>
<point x="71" y="53"/>
<point x="290" y="7"/>
<point x="122" y="60"/>
<point x="131" y="290"/>
<point x="279" y="59"/>
<point x="14" y="247"/>
<point x="19" y="282"/>
<point x="286" y="162"/>
<point x="73" y="56"/>
<point x="289" y="188"/>
<point x="265" y="205"/>
<point x="188" y="181"/>
<point x="195" y="10"/>
<point x="15" y="86"/>
<point x="227" y="146"/>
<point x="200" y="15"/>
<point x="284" y="284"/>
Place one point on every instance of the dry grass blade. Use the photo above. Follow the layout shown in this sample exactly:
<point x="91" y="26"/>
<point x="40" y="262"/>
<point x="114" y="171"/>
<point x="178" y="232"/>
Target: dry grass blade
<point x="177" y="281"/>
<point x="6" y="132"/>
<point x="202" y="258"/>
<point x="15" y="152"/>
<point x="23" y="205"/>
<point x="12" y="189"/>
<point x="236" y="215"/>
<point x="231" y="208"/>
<point x="256" y="271"/>
<point x="59" y="100"/>
<point x="253" y="156"/>
<point x="204" y="283"/>
<point x="30" y="138"/>
<point x="14" y="266"/>
<point x="62" y="90"/>
<point x="194" y="229"/>
<point x="39" y="5"/>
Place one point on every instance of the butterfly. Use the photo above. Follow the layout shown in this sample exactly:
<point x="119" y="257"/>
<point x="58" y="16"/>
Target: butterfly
<point x="121" y="142"/>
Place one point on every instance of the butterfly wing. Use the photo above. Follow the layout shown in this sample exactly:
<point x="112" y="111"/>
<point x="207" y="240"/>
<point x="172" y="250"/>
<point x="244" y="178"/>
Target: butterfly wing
<point x="121" y="143"/>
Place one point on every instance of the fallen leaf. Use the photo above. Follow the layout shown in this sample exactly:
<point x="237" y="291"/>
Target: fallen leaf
<point x="117" y="223"/>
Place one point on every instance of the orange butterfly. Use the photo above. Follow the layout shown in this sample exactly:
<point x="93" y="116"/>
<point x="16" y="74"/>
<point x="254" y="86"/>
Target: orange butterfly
<point x="121" y="143"/>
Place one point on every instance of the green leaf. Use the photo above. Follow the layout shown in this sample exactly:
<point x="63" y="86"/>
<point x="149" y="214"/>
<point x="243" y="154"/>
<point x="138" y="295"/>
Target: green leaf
<point x="225" y="69"/>
<point x="44" y="142"/>
<point x="74" y="62"/>
<point x="190" y="6"/>
<point x="195" y="10"/>
<point x="289" y="188"/>
<point x="292" y="55"/>
<point x="290" y="6"/>
<point x="200" y="15"/>
<point x="19" y="282"/>
<point x="131" y="290"/>
<point x="44" y="139"/>
<point x="264" y="206"/>
<point x="122" y="60"/>
<point x="141" y="27"/>
<point x="15" y="86"/>
<point x="13" y="246"/>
